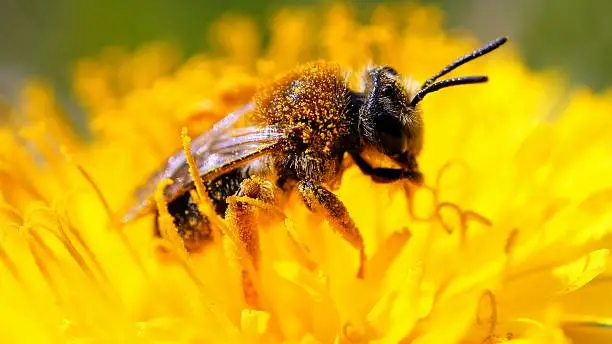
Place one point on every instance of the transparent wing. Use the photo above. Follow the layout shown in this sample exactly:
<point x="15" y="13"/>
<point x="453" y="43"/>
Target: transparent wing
<point x="226" y="153"/>
<point x="217" y="151"/>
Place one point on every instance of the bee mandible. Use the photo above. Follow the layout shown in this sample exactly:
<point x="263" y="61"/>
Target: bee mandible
<point x="294" y="135"/>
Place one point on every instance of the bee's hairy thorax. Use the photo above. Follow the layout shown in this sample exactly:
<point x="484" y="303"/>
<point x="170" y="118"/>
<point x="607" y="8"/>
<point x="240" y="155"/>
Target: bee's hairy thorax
<point x="314" y="104"/>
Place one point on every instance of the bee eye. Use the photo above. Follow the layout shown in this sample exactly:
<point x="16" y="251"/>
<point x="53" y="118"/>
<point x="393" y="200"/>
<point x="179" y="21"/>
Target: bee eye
<point x="387" y="91"/>
<point x="391" y="135"/>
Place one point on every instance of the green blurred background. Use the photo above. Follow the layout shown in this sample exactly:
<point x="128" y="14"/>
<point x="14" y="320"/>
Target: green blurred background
<point x="41" y="37"/>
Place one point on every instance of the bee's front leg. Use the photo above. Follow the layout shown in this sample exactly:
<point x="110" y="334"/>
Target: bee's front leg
<point x="387" y="175"/>
<point x="317" y="198"/>
<point x="242" y="216"/>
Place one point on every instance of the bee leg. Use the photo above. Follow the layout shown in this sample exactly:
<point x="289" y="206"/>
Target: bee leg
<point x="388" y="175"/>
<point x="317" y="198"/>
<point x="242" y="215"/>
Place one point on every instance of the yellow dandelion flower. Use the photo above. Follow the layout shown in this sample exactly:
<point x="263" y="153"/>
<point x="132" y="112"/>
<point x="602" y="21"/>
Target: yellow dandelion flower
<point x="507" y="241"/>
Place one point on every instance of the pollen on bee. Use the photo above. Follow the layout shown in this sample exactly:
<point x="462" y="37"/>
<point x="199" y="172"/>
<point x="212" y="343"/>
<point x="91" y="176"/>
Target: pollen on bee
<point x="311" y="97"/>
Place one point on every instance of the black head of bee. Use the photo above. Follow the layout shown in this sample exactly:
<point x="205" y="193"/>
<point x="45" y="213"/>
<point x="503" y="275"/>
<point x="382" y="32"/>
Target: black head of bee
<point x="389" y="119"/>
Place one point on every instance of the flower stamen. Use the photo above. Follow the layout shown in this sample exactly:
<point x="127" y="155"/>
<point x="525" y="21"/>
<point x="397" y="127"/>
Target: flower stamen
<point x="199" y="185"/>
<point x="114" y="222"/>
<point x="470" y="215"/>
<point x="167" y="228"/>
<point x="88" y="252"/>
<point x="9" y="264"/>
<point x="204" y="202"/>
<point x="37" y="254"/>
<point x="352" y="333"/>
<point x="449" y="229"/>
<point x="173" y="243"/>
<point x="250" y="283"/>
<point x="493" y="317"/>
<point x="446" y="167"/>
<point x="511" y="241"/>
<point x="301" y="250"/>
<point x="75" y="254"/>
<point x="77" y="257"/>
<point x="97" y="191"/>
<point x="11" y="211"/>
<point x="474" y="216"/>
<point x="464" y="218"/>
<point x="410" y="199"/>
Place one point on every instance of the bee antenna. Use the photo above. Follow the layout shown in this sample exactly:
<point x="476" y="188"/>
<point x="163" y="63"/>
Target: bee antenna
<point x="489" y="47"/>
<point x="446" y="83"/>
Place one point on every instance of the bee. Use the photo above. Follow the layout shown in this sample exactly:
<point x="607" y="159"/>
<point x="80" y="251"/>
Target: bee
<point x="293" y="137"/>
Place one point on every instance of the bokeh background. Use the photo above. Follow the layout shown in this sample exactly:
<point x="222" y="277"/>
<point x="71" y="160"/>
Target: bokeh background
<point x="44" y="38"/>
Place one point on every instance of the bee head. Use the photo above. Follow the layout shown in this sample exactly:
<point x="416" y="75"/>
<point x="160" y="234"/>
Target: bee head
<point x="387" y="120"/>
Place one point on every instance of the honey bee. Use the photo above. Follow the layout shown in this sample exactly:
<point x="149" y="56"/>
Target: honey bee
<point x="294" y="135"/>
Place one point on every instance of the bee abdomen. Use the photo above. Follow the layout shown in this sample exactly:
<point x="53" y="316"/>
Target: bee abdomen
<point x="193" y="226"/>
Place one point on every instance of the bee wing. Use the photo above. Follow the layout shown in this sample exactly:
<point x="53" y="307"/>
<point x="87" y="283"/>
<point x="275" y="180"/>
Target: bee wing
<point x="217" y="151"/>
<point x="227" y="153"/>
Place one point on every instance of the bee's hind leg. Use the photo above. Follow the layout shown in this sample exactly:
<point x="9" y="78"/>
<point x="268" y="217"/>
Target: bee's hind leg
<point x="242" y="212"/>
<point x="317" y="198"/>
<point x="242" y="215"/>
